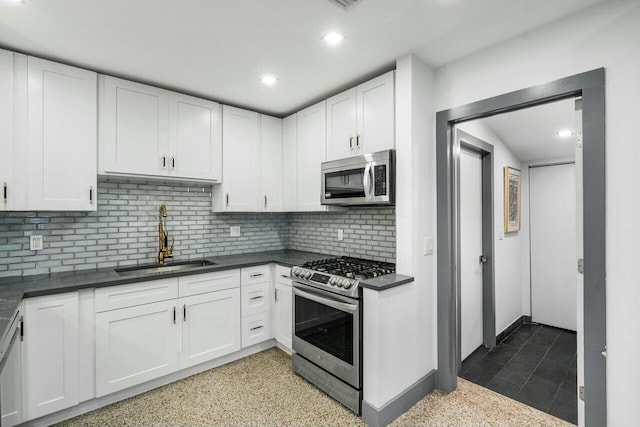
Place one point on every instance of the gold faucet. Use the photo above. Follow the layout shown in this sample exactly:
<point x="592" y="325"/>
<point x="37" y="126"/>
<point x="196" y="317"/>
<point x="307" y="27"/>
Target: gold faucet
<point x="164" y="250"/>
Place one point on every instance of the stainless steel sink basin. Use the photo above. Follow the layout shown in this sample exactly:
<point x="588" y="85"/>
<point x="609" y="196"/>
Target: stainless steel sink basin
<point x="164" y="268"/>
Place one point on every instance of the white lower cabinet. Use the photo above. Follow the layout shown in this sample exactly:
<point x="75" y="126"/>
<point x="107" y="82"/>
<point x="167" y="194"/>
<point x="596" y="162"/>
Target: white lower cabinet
<point x="210" y="326"/>
<point x="162" y="331"/>
<point x="283" y="307"/>
<point x="256" y="304"/>
<point x="50" y="346"/>
<point x="135" y="344"/>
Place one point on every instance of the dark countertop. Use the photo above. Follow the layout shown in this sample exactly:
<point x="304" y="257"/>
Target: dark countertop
<point x="14" y="289"/>
<point x="385" y="282"/>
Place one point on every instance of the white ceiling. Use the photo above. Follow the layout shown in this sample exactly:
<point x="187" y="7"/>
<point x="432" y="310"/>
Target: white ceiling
<point x="219" y="49"/>
<point x="531" y="133"/>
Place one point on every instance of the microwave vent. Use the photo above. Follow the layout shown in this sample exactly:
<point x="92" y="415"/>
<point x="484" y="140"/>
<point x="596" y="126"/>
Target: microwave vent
<point x="345" y="4"/>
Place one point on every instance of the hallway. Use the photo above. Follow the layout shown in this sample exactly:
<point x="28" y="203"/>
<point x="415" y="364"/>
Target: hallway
<point x="535" y="365"/>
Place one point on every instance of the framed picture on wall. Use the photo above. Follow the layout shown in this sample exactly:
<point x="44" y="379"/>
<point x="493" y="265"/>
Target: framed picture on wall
<point x="512" y="185"/>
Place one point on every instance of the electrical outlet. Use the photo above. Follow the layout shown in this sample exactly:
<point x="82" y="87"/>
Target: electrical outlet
<point x="35" y="242"/>
<point x="234" y="231"/>
<point x="340" y="234"/>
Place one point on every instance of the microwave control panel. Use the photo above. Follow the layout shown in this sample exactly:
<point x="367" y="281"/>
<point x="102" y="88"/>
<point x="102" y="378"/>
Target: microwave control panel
<point x="380" y="180"/>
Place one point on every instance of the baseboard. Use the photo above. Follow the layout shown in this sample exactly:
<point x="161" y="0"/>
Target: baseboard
<point x="93" y="404"/>
<point x="400" y="404"/>
<point x="512" y="327"/>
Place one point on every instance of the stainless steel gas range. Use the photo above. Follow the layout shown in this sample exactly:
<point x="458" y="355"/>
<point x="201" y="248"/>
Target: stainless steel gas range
<point x="327" y="324"/>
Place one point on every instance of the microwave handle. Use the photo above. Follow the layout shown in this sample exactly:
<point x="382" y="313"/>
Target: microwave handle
<point x="366" y="181"/>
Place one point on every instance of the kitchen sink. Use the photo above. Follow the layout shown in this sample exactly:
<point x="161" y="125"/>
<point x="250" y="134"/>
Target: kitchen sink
<point x="164" y="268"/>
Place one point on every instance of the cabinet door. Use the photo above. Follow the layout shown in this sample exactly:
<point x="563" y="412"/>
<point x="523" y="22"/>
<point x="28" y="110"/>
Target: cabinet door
<point x="133" y="128"/>
<point x="283" y="313"/>
<point x="289" y="164"/>
<point x="376" y="114"/>
<point x="271" y="164"/>
<point x="50" y="354"/>
<point x="210" y="326"/>
<point x="135" y="344"/>
<point x="195" y="138"/>
<point x="341" y="125"/>
<point x="311" y="153"/>
<point x="11" y="386"/>
<point x="241" y="161"/>
<point x="62" y="126"/>
<point x="8" y="144"/>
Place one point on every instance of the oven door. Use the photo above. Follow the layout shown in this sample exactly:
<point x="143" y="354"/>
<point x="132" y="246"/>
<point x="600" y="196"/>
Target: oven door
<point x="326" y="331"/>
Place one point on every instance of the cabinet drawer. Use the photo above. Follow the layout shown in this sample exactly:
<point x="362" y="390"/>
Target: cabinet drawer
<point x="283" y="272"/>
<point x="208" y="282"/>
<point x="259" y="274"/>
<point x="114" y="297"/>
<point x="256" y="328"/>
<point x="256" y="298"/>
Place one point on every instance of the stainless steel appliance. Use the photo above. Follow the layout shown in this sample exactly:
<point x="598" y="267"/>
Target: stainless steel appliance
<point x="327" y="329"/>
<point x="360" y="180"/>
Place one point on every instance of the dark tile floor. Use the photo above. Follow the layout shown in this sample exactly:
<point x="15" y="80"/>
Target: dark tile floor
<point x="535" y="365"/>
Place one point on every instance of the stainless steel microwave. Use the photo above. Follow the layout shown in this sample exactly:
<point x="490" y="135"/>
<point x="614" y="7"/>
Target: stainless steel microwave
<point x="360" y="180"/>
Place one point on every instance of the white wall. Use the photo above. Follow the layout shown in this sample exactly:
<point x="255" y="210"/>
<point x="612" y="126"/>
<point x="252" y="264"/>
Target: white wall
<point x="400" y="336"/>
<point x="607" y="36"/>
<point x="508" y="247"/>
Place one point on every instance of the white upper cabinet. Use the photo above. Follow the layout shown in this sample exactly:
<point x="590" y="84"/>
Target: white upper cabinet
<point x="311" y="153"/>
<point x="195" y="138"/>
<point x="289" y="164"/>
<point x="12" y="198"/>
<point x="133" y="128"/>
<point x="271" y="163"/>
<point x="240" y="189"/>
<point x="362" y="120"/>
<point x="145" y="130"/>
<point x="62" y="125"/>
<point x="341" y="125"/>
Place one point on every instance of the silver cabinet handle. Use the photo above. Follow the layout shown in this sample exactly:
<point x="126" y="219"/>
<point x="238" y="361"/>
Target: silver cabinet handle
<point x="173" y="162"/>
<point x="256" y="275"/>
<point x="227" y="199"/>
<point x="90" y="195"/>
<point x="284" y="275"/>
<point x="174" y="314"/>
<point x="184" y="312"/>
<point x="276" y="296"/>
<point x="351" y="142"/>
<point x="357" y="141"/>
<point x="265" y="201"/>
<point x="255" y="298"/>
<point x="256" y="328"/>
<point x="5" y="192"/>
<point x="164" y="161"/>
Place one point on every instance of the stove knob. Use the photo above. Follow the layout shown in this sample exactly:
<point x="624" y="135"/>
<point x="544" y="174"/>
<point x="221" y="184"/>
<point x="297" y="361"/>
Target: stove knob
<point x="332" y="281"/>
<point x="348" y="284"/>
<point x="307" y="274"/>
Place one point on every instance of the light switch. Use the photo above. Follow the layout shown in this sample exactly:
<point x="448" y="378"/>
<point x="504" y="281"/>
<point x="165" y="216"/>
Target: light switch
<point x="428" y="245"/>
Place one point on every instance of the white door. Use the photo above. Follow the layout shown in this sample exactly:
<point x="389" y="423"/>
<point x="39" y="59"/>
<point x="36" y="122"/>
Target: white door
<point x="11" y="386"/>
<point x="210" y="326"/>
<point x="341" y="125"/>
<point x="283" y="313"/>
<point x="195" y="138"/>
<point x="271" y="163"/>
<point x="241" y="167"/>
<point x="62" y="120"/>
<point x="133" y="128"/>
<point x="50" y="354"/>
<point x="553" y="245"/>
<point x="311" y="153"/>
<point x="8" y="145"/>
<point x="470" y="251"/>
<point x="135" y="344"/>
<point x="290" y="164"/>
<point x="376" y="115"/>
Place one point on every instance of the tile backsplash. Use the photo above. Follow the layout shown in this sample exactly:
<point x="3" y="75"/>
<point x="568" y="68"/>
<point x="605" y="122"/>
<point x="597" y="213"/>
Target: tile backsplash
<point x="123" y="231"/>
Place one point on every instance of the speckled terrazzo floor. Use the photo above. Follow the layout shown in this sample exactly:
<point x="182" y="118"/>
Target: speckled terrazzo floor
<point x="261" y="390"/>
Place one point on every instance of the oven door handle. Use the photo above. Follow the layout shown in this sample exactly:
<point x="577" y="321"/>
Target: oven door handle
<point x="343" y="306"/>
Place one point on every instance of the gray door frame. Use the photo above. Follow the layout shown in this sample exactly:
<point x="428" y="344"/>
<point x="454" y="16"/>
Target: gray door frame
<point x="471" y="143"/>
<point x="591" y="87"/>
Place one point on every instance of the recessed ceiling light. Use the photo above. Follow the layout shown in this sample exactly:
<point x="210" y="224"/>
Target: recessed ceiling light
<point x="564" y="133"/>
<point x="268" y="80"/>
<point x="333" y="38"/>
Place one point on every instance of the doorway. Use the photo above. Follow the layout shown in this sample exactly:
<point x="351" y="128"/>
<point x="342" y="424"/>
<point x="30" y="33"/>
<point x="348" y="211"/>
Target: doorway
<point x="590" y="86"/>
